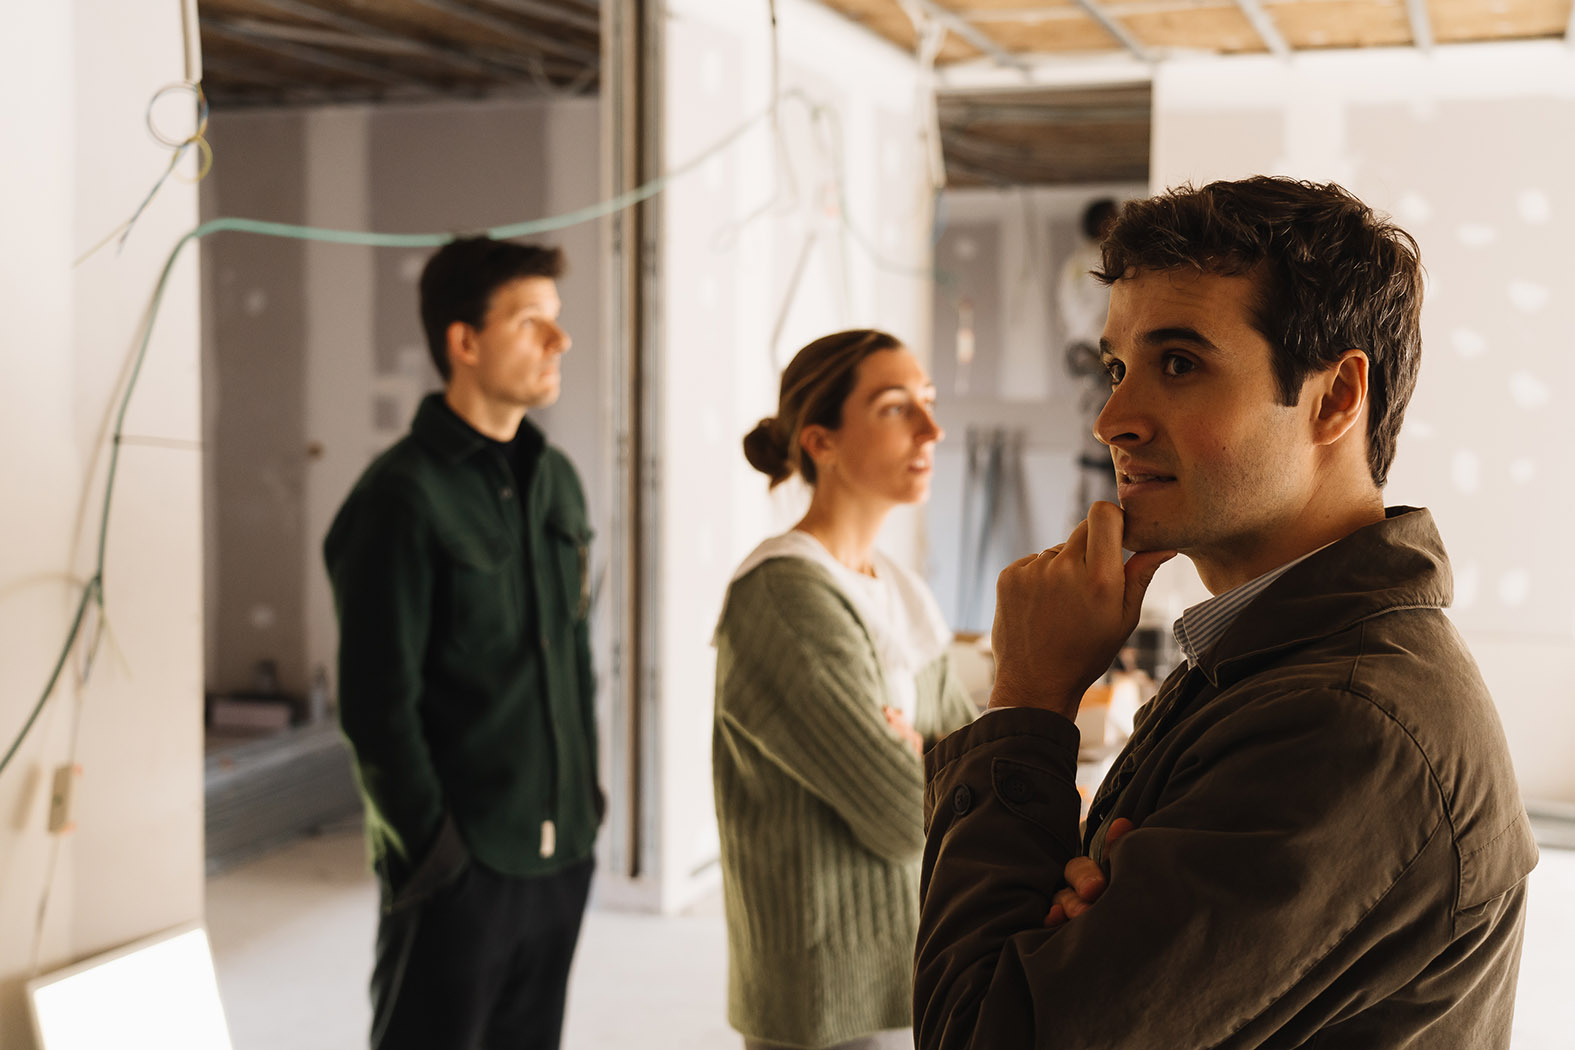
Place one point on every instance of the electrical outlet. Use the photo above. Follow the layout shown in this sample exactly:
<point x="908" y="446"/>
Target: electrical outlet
<point x="62" y="798"/>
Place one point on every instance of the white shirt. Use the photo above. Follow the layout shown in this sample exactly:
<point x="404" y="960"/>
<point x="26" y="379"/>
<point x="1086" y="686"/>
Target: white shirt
<point x="903" y="619"/>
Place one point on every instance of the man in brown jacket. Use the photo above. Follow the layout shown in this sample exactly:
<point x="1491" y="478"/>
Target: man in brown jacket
<point x="1322" y="842"/>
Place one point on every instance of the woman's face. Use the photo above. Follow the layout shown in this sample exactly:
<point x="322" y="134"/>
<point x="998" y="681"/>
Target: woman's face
<point x="885" y="448"/>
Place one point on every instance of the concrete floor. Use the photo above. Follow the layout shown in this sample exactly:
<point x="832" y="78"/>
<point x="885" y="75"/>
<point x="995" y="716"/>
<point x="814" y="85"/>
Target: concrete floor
<point x="292" y="943"/>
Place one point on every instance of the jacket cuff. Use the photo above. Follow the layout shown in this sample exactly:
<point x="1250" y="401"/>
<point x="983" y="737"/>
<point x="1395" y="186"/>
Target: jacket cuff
<point x="1043" y="733"/>
<point x="1019" y="764"/>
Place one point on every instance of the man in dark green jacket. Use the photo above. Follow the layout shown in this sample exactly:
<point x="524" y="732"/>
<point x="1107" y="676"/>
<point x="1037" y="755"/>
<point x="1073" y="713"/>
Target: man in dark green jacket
<point x="1321" y="840"/>
<point x="460" y="574"/>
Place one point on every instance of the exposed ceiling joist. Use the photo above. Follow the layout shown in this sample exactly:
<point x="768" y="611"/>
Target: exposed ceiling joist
<point x="538" y="42"/>
<point x="325" y="37"/>
<point x="302" y="53"/>
<point x="293" y="52"/>
<point x="1264" y="26"/>
<point x="1028" y="136"/>
<point x="372" y="36"/>
<point x="589" y="22"/>
<point x="238" y="69"/>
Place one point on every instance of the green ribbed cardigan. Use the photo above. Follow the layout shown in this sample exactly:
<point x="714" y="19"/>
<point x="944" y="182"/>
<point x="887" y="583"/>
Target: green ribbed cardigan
<point x="820" y="809"/>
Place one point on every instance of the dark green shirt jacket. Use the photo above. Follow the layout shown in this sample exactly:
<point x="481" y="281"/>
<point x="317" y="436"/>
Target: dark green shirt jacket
<point x="465" y="683"/>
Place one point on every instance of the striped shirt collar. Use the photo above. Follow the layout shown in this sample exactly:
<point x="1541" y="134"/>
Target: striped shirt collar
<point x="1203" y="624"/>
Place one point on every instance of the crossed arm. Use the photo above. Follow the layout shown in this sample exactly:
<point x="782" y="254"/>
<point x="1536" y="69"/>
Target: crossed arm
<point x="1228" y="915"/>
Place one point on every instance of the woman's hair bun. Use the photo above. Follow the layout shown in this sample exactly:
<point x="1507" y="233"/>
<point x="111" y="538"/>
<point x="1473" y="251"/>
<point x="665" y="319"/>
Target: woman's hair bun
<point x="767" y="451"/>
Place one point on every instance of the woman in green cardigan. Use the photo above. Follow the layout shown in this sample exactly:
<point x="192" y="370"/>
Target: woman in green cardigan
<point x="832" y="677"/>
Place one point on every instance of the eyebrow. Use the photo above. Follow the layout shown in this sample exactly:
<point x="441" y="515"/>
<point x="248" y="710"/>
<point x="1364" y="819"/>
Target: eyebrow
<point x="1160" y="336"/>
<point x="927" y="389"/>
<point x="535" y="303"/>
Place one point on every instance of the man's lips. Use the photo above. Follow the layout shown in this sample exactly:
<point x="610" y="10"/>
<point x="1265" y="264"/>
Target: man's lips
<point x="1133" y="475"/>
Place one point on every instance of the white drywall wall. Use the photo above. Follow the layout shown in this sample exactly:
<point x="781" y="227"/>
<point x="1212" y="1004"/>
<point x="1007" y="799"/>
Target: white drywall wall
<point x="1470" y="148"/>
<point x="732" y="237"/>
<point x="76" y="78"/>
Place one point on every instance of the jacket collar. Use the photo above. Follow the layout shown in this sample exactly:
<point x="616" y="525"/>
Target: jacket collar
<point x="441" y="431"/>
<point x="1397" y="563"/>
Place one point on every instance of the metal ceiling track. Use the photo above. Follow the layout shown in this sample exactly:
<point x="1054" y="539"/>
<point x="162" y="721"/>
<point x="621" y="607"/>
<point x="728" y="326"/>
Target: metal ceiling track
<point x="956" y="23"/>
<point x="1422" y="24"/>
<point x="1267" y="31"/>
<point x="1096" y="10"/>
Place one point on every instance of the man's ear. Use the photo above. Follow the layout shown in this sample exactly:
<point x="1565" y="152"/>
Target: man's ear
<point x="460" y="339"/>
<point x="1339" y="397"/>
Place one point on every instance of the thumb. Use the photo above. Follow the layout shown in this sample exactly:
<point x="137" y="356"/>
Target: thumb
<point x="1140" y="570"/>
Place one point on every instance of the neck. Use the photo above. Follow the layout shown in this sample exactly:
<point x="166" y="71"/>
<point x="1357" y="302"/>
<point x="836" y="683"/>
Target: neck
<point x="845" y="525"/>
<point x="1318" y="525"/>
<point x="500" y="422"/>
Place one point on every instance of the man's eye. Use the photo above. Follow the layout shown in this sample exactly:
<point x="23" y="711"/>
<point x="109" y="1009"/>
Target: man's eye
<point x="1176" y="365"/>
<point x="1115" y="369"/>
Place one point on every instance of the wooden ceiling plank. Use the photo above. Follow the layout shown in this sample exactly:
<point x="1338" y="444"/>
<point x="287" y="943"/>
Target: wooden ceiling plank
<point x="1063" y="36"/>
<point x="1024" y="14"/>
<point x="955" y="23"/>
<point x="302" y="53"/>
<point x="1346" y="24"/>
<point x="1421" y="24"/>
<point x="1220" y="28"/>
<point x="508" y="30"/>
<point x="1095" y="10"/>
<point x="1267" y="31"/>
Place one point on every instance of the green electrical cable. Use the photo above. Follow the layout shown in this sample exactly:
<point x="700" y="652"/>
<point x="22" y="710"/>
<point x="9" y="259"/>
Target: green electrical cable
<point x="94" y="590"/>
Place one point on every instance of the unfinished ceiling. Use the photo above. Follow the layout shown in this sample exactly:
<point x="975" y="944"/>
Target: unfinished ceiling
<point x="1046" y="137"/>
<point x="1011" y="31"/>
<point x="305" y="52"/>
<point x="1084" y="135"/>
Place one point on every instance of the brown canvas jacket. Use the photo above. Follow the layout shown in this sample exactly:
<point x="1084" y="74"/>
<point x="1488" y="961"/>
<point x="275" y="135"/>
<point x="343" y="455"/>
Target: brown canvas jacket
<point x="1330" y="852"/>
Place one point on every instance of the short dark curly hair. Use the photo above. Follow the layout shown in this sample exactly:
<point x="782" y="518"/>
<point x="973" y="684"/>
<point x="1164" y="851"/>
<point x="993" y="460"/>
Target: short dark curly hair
<point x="460" y="277"/>
<point x="1332" y="275"/>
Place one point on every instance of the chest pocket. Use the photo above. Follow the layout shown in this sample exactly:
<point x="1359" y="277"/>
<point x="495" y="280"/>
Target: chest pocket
<point x="569" y="550"/>
<point x="483" y="593"/>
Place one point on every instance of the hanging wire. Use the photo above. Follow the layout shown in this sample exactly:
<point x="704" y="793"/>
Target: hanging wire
<point x="784" y="179"/>
<point x="823" y="116"/>
<point x="195" y="140"/>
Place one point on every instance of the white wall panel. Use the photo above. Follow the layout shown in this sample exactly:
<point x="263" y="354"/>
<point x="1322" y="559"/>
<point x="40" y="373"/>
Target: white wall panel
<point x="1470" y="149"/>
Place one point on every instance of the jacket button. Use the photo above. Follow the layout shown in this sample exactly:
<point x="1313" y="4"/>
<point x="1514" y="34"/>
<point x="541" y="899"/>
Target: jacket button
<point x="962" y="800"/>
<point x="544" y="643"/>
<point x="1016" y="789"/>
<point x="506" y="492"/>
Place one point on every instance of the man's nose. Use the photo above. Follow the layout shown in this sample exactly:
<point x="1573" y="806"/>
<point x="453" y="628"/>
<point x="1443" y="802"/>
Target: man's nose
<point x="560" y="340"/>
<point x="1122" y="422"/>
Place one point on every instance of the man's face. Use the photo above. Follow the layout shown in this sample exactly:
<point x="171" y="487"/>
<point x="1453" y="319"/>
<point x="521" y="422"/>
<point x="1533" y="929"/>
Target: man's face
<point x="1207" y="460"/>
<point x="519" y="344"/>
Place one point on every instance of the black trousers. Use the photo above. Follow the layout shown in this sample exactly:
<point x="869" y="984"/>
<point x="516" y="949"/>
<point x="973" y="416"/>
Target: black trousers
<point x="482" y="964"/>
